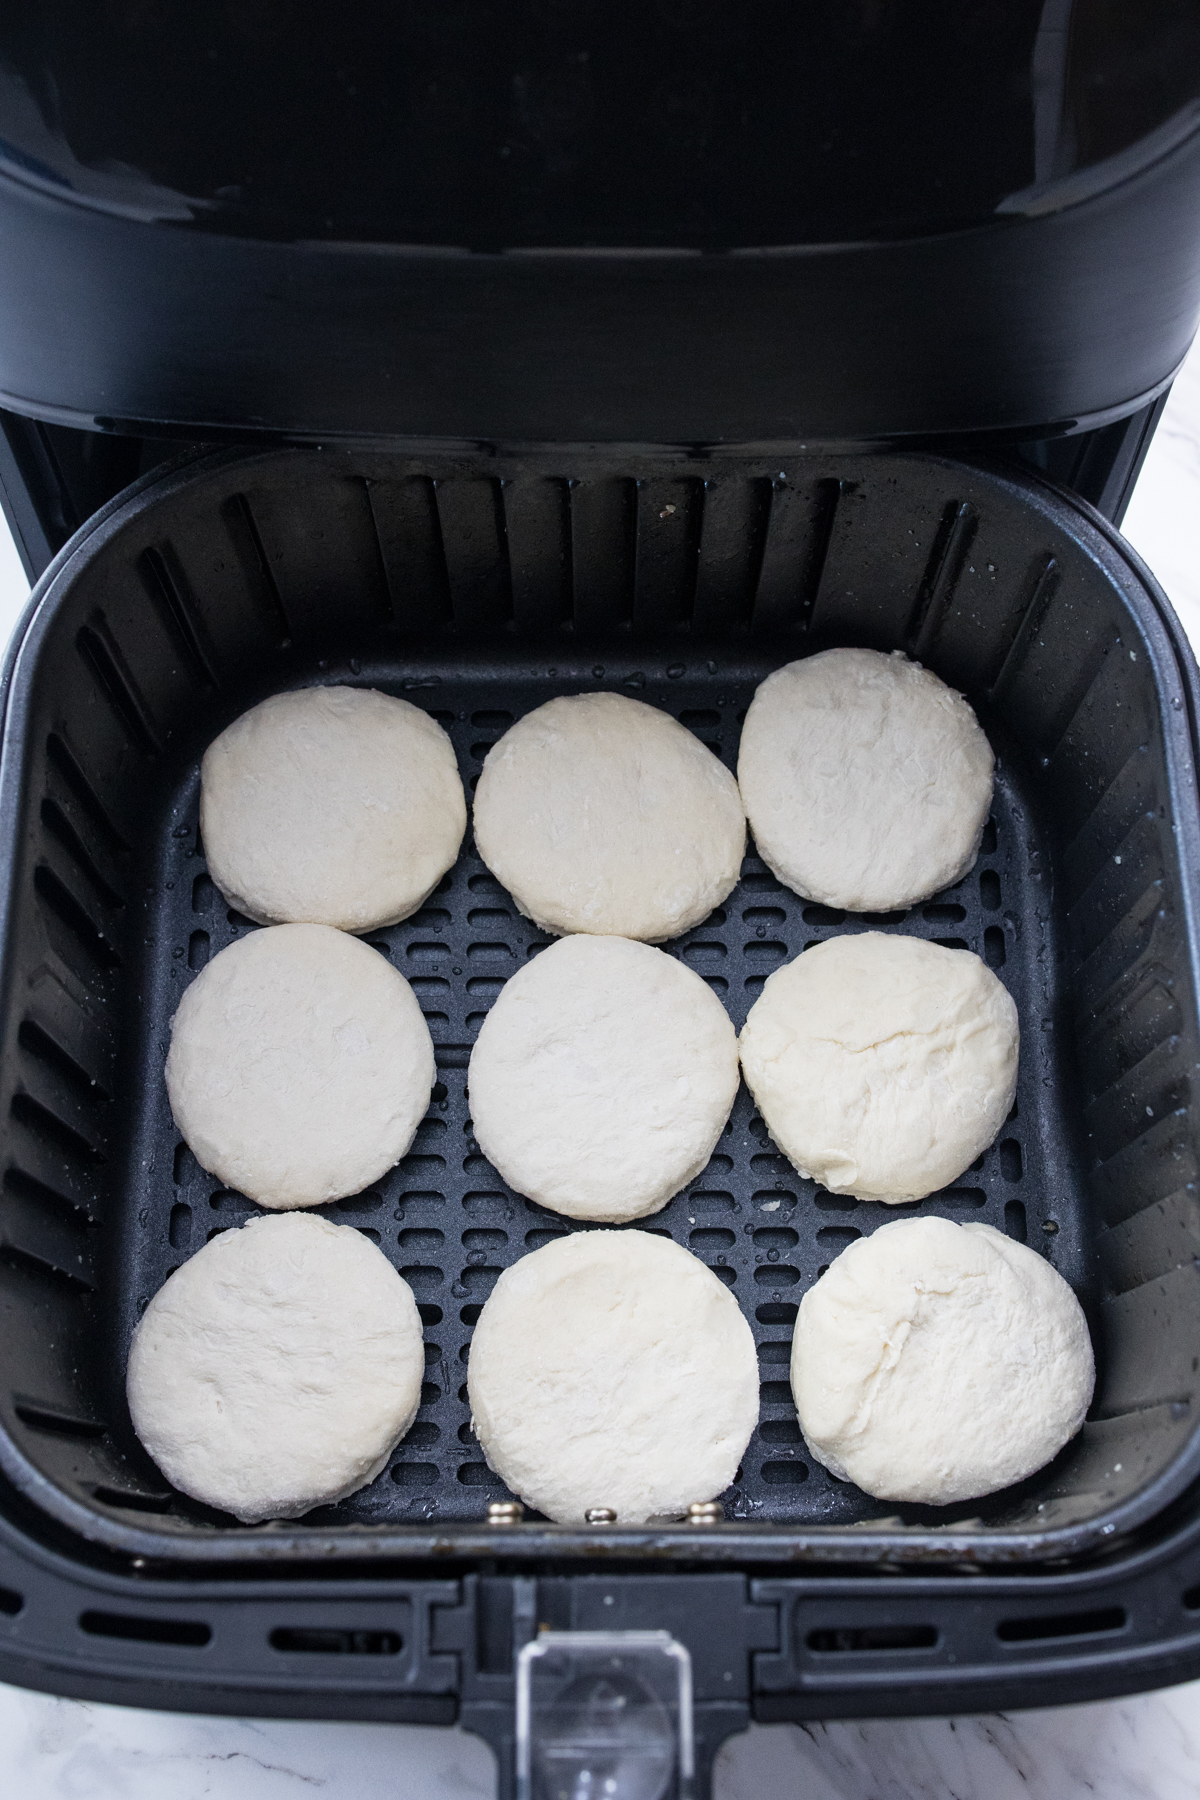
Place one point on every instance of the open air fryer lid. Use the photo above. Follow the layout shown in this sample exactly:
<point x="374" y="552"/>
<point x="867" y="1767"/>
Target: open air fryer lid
<point x="679" y="221"/>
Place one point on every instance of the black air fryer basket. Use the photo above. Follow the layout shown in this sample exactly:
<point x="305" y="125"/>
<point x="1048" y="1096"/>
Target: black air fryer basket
<point x="480" y="476"/>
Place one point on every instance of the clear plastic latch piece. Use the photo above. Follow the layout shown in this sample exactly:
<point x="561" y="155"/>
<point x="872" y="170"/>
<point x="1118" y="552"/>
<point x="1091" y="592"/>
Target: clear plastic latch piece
<point x="604" y="1715"/>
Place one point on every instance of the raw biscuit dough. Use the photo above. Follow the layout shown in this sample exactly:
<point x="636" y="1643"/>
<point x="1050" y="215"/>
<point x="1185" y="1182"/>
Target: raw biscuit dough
<point x="612" y="1369"/>
<point x="866" y="780"/>
<point x="333" y="806"/>
<point x="602" y="814"/>
<point x="277" y="1369"/>
<point x="602" y="1078"/>
<point x="883" y="1066"/>
<point x="935" y="1362"/>
<point x="300" y="1066"/>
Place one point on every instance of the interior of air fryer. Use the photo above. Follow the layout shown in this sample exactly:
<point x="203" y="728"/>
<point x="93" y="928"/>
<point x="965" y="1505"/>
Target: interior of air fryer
<point x="478" y="588"/>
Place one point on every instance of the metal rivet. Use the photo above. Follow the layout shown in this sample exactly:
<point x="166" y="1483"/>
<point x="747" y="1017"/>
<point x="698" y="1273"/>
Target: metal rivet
<point x="600" y="1515"/>
<point x="505" y="1512"/>
<point x="706" y="1512"/>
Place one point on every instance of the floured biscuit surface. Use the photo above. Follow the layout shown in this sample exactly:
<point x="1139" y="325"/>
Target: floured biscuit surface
<point x="300" y="1065"/>
<point x="866" y="780"/>
<point x="602" y="1078"/>
<point x="605" y="815"/>
<point x="331" y="806"/>
<point x="612" y="1369"/>
<point x="277" y="1369"/>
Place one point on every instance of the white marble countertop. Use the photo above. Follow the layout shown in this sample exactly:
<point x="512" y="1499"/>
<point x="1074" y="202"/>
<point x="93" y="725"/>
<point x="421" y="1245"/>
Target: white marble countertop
<point x="1144" y="1748"/>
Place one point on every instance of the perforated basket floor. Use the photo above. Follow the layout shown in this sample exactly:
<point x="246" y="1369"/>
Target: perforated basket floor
<point x="446" y="1220"/>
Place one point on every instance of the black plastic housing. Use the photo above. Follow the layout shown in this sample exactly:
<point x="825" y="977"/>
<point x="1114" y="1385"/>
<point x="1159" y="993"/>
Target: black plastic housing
<point x="673" y="223"/>
<point x="478" y="586"/>
<point x="1028" y="326"/>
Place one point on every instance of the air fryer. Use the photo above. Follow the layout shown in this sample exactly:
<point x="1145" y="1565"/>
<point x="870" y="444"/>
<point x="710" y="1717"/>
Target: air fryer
<point x="492" y="353"/>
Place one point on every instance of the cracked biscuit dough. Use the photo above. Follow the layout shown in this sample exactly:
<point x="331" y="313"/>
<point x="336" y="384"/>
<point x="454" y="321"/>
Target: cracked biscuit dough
<point x="936" y="1363"/>
<point x="882" y="1065"/>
